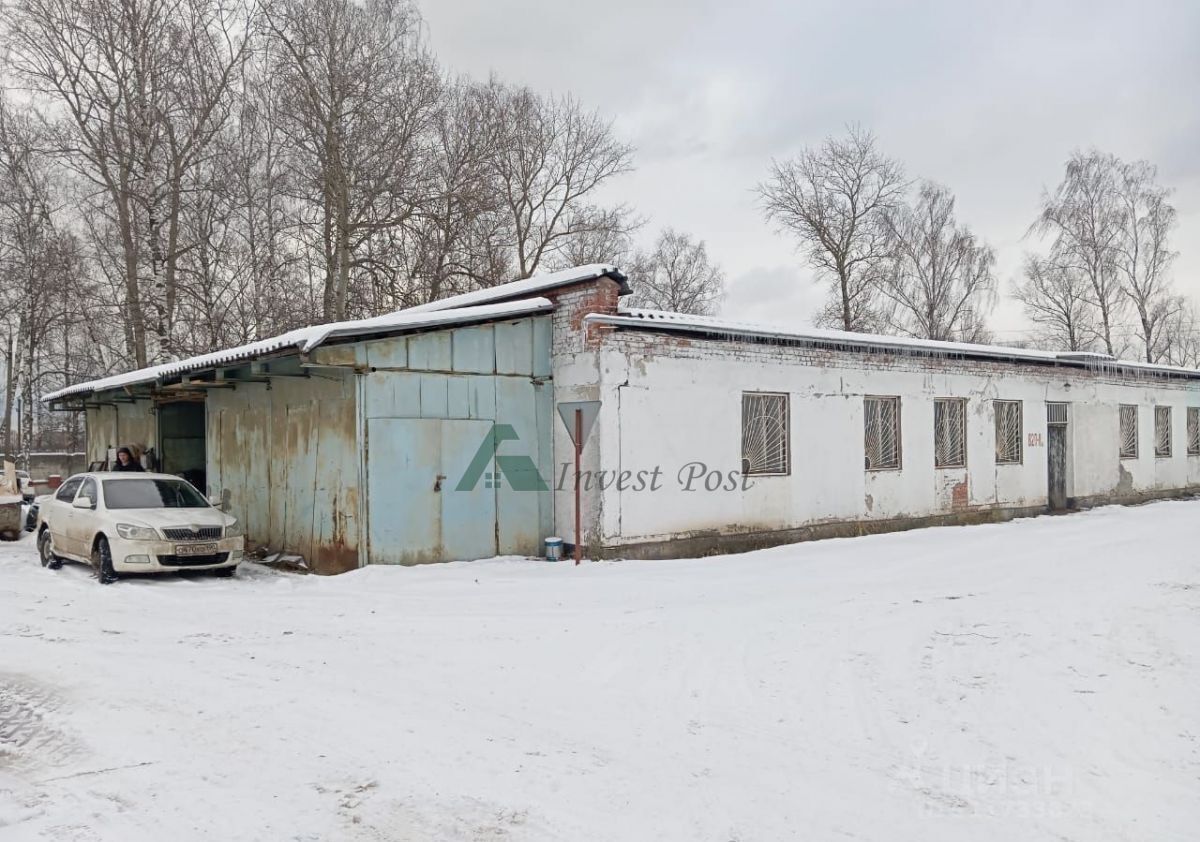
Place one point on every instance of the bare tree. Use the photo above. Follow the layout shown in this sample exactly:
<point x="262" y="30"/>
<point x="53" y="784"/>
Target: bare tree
<point x="677" y="275"/>
<point x="1142" y="255"/>
<point x="40" y="271"/>
<point x="144" y="87"/>
<point x="1179" y="337"/>
<point x="1084" y="220"/>
<point x="938" y="280"/>
<point x="1057" y="300"/>
<point x="833" y="200"/>
<point x="553" y="156"/>
<point x="360" y="92"/>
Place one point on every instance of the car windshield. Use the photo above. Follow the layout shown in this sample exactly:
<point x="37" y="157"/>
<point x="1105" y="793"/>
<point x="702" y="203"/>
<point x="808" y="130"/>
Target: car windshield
<point x="152" y="494"/>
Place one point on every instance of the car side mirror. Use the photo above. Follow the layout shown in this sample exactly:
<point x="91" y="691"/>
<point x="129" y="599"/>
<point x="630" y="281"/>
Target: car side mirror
<point x="214" y="500"/>
<point x="83" y="503"/>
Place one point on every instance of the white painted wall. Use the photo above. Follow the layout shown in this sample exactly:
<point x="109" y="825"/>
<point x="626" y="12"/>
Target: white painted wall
<point x="678" y="400"/>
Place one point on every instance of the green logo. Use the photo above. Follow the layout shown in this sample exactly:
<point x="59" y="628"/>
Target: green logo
<point x="519" y="471"/>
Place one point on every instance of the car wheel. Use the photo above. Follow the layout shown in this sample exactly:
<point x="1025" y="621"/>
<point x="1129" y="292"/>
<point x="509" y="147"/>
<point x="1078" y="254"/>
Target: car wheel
<point x="102" y="559"/>
<point x="46" y="551"/>
<point x="225" y="572"/>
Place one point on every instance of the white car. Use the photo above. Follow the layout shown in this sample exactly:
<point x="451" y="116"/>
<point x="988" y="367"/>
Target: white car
<point x="26" y="484"/>
<point x="125" y="522"/>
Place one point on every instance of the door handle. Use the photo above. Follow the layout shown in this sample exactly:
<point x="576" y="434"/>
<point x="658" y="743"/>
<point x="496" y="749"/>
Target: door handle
<point x="437" y="483"/>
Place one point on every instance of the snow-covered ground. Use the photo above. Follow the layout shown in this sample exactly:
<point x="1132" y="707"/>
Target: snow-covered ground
<point x="1037" y="680"/>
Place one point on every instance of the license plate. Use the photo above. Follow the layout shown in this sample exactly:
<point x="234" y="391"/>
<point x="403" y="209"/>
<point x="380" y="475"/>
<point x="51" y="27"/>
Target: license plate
<point x="195" y="549"/>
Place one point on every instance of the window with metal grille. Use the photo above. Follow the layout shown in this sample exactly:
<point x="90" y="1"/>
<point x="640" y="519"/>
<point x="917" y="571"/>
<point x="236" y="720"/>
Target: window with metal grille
<point x="1056" y="413"/>
<point x="1193" y="430"/>
<point x="1129" y="435"/>
<point x="949" y="432"/>
<point x="1008" y="432"/>
<point x="765" y="434"/>
<point x="1162" y="431"/>
<point x="881" y="423"/>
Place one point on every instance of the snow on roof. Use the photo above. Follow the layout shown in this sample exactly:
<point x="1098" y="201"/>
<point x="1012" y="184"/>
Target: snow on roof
<point x="307" y="338"/>
<point x="528" y="286"/>
<point x="659" y="319"/>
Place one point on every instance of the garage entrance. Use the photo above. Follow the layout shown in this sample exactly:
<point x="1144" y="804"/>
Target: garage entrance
<point x="181" y="447"/>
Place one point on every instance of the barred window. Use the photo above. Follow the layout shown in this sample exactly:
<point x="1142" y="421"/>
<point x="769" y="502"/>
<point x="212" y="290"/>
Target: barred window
<point x="1162" y="431"/>
<point x="765" y="434"/>
<point x="1193" y="430"/>
<point x="949" y="433"/>
<point x="881" y="423"/>
<point x="1129" y="433"/>
<point x="1008" y="432"/>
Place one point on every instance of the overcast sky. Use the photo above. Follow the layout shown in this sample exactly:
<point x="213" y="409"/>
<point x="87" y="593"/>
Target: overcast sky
<point x="989" y="99"/>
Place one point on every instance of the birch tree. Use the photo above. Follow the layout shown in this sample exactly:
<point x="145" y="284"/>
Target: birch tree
<point x="359" y="96"/>
<point x="1084" y="221"/>
<point x="833" y="199"/>
<point x="939" y="279"/>
<point x="143" y="87"/>
<point x="1142" y="255"/>
<point x="1056" y="299"/>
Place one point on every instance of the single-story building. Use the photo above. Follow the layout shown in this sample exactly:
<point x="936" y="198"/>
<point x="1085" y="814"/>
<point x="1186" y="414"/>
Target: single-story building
<point x="432" y="433"/>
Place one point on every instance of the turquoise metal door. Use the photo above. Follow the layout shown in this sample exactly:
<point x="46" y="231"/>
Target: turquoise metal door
<point x="415" y="512"/>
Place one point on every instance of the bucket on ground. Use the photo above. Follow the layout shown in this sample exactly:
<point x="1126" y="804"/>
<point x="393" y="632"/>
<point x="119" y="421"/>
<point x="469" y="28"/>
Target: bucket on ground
<point x="554" y="549"/>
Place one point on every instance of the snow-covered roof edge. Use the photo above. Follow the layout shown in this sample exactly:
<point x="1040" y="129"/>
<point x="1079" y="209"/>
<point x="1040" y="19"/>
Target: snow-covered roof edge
<point x="306" y="339"/>
<point x="528" y="286"/>
<point x="682" y="322"/>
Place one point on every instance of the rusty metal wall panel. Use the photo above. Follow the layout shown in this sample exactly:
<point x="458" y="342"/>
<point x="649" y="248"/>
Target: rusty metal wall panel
<point x="481" y="397"/>
<point x="434" y="396"/>
<point x="336" y="525"/>
<point x="300" y="504"/>
<point x="404" y="511"/>
<point x="417" y="513"/>
<point x="287" y="460"/>
<point x="392" y="394"/>
<point x="518" y="512"/>
<point x="388" y="353"/>
<point x="546" y="418"/>
<point x="514" y="347"/>
<point x="474" y="349"/>
<point x="458" y="397"/>
<point x="430" y="351"/>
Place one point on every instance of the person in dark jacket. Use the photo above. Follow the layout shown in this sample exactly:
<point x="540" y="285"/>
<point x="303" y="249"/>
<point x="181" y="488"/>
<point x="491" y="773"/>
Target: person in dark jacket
<point x="126" y="462"/>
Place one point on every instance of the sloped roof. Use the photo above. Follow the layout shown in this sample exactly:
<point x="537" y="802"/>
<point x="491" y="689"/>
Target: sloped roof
<point x="529" y="286"/>
<point x="682" y="322"/>
<point x="306" y="339"/>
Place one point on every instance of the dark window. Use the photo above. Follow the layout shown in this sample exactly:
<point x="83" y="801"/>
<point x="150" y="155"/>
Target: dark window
<point x="152" y="494"/>
<point x="66" y="491"/>
<point x="1193" y="430"/>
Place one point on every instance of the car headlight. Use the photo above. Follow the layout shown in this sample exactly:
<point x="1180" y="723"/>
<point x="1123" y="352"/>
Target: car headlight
<point x="136" y="533"/>
<point x="234" y="530"/>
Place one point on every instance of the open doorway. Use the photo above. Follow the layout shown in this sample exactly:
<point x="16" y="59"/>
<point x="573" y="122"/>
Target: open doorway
<point x="181" y="442"/>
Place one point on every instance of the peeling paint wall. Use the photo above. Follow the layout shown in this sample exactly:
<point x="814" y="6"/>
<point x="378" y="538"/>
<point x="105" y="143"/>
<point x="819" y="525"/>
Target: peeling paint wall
<point x="284" y="460"/>
<point x="679" y="402"/>
<point x="112" y="426"/>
